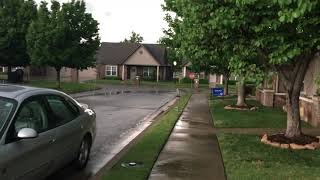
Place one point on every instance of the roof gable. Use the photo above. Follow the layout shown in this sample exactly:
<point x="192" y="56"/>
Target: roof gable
<point x="115" y="53"/>
<point x="142" y="57"/>
<point x="118" y="53"/>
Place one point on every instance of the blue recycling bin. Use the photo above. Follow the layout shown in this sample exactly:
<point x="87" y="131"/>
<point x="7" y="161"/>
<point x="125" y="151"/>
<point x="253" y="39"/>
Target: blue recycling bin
<point x="217" y="92"/>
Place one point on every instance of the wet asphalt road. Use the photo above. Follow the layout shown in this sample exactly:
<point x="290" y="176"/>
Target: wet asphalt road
<point x="117" y="117"/>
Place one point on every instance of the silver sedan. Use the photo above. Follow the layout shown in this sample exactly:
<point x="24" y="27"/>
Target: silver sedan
<point x="42" y="130"/>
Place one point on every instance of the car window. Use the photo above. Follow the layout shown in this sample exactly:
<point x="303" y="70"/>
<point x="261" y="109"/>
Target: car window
<point x="6" y="109"/>
<point x="61" y="109"/>
<point x="32" y="115"/>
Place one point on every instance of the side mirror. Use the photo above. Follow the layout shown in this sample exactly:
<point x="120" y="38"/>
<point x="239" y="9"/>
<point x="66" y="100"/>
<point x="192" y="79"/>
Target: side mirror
<point x="27" y="133"/>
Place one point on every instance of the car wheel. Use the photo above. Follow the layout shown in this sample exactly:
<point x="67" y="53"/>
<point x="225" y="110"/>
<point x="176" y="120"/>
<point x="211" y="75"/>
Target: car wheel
<point x="83" y="153"/>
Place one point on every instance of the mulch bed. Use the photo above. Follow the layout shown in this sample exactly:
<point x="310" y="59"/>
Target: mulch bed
<point x="297" y="143"/>
<point x="300" y="140"/>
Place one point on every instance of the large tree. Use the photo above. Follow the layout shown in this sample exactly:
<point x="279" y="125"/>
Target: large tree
<point x="286" y="37"/>
<point x="15" y="18"/>
<point x="193" y="38"/>
<point x="64" y="36"/>
<point x="134" y="38"/>
<point x="282" y="35"/>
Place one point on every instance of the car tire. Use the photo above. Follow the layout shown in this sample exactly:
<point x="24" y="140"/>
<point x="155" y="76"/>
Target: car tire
<point x="83" y="153"/>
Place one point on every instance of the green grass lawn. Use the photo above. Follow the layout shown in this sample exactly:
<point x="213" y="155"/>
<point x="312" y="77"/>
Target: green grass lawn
<point x="67" y="87"/>
<point x="246" y="158"/>
<point x="264" y="117"/>
<point x="147" y="149"/>
<point x="165" y="84"/>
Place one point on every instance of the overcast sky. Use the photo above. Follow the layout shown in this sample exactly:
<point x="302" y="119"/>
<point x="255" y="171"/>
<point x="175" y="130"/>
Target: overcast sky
<point x="118" y="18"/>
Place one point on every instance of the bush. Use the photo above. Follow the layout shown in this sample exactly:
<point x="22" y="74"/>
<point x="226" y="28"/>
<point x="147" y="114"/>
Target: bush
<point x="149" y="78"/>
<point x="204" y="81"/>
<point x="185" y="80"/>
<point x="112" y="78"/>
<point x="250" y="89"/>
<point x="232" y="82"/>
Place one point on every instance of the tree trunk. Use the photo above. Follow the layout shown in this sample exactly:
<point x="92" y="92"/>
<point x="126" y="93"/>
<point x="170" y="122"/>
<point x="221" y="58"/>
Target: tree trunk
<point x="293" y="116"/>
<point x="226" y="86"/>
<point x="293" y="76"/>
<point x="58" y="78"/>
<point x="241" y="94"/>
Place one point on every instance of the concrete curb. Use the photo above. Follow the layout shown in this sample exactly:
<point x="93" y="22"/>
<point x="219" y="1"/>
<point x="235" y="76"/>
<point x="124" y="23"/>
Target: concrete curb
<point x="124" y="147"/>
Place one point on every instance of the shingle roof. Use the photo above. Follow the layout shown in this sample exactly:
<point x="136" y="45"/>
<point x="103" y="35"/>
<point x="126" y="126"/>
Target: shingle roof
<point x="158" y="52"/>
<point x="118" y="53"/>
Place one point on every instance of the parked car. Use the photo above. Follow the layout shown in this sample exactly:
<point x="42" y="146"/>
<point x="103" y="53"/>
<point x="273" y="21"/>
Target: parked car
<point x="42" y="130"/>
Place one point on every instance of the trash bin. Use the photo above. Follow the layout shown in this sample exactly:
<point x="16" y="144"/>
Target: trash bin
<point x="16" y="76"/>
<point x="217" y="92"/>
<point x="137" y="81"/>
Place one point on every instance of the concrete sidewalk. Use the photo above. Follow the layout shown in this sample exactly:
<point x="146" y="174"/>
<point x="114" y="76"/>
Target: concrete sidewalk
<point x="192" y="151"/>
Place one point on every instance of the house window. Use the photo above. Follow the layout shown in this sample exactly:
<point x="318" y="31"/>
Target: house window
<point x="148" y="71"/>
<point x="111" y="70"/>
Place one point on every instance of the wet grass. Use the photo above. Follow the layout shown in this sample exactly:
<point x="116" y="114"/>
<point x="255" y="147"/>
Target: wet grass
<point x="148" y="147"/>
<point x="264" y="117"/>
<point x="246" y="158"/>
<point x="67" y="87"/>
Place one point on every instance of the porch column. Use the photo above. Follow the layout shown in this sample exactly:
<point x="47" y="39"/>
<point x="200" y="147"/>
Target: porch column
<point x="158" y="70"/>
<point x="123" y="66"/>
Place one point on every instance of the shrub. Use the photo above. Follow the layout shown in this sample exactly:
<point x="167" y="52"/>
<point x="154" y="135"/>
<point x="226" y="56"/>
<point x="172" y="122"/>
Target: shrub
<point x="250" y="89"/>
<point x="232" y="82"/>
<point x="204" y="81"/>
<point x="112" y="78"/>
<point x="201" y="81"/>
<point x="185" y="80"/>
<point x="150" y="78"/>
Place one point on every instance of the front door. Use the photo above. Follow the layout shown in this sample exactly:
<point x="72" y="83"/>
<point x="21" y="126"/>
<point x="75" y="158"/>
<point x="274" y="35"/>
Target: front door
<point x="133" y="72"/>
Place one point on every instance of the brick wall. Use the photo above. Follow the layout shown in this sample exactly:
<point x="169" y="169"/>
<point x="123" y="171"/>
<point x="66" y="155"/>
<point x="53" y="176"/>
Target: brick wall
<point x="279" y="99"/>
<point x="306" y="109"/>
<point x="316" y="110"/>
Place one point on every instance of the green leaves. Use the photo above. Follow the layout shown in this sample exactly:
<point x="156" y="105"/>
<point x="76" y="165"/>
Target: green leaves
<point x="293" y="9"/>
<point x="64" y="36"/>
<point x="134" y="38"/>
<point x="15" y="17"/>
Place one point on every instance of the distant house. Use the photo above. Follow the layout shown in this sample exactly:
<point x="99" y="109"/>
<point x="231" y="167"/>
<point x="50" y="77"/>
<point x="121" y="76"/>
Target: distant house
<point x="214" y="79"/>
<point x="123" y="61"/>
<point x="129" y="60"/>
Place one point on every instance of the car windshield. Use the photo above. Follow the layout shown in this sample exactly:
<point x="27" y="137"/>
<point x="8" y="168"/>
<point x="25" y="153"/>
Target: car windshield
<point x="6" y="109"/>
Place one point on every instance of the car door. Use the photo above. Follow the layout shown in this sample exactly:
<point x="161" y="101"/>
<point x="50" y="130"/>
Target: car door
<point x="69" y="127"/>
<point x="28" y="158"/>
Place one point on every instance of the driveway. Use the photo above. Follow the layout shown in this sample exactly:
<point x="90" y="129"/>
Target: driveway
<point x="118" y="116"/>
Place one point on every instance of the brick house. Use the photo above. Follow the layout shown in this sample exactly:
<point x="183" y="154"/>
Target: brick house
<point x="273" y="94"/>
<point x="145" y="60"/>
<point x="128" y="60"/>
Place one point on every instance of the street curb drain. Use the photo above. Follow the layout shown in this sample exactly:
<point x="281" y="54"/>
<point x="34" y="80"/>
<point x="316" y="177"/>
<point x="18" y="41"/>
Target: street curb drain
<point x="132" y="164"/>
